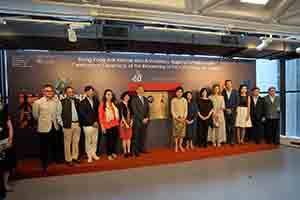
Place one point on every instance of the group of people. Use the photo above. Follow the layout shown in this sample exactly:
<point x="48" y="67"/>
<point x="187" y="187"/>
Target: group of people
<point x="213" y="116"/>
<point x="126" y="119"/>
<point x="225" y="116"/>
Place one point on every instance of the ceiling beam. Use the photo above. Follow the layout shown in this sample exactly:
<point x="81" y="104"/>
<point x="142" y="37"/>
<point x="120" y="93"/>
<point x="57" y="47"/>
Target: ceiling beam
<point x="206" y="5"/>
<point x="281" y="9"/>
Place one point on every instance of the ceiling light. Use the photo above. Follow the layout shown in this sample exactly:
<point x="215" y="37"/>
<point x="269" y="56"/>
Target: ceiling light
<point x="298" y="50"/>
<point x="264" y="44"/>
<point x="260" y="2"/>
<point x="184" y="30"/>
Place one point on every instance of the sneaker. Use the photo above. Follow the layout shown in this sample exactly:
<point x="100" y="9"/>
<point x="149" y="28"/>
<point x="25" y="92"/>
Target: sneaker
<point x="110" y="158"/>
<point x="95" y="157"/>
<point x="114" y="155"/>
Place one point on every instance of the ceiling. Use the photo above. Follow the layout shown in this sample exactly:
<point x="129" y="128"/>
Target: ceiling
<point x="279" y="18"/>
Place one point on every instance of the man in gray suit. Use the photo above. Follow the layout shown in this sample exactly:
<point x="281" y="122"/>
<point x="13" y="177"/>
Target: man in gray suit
<point x="140" y="108"/>
<point x="45" y="111"/>
<point x="272" y="113"/>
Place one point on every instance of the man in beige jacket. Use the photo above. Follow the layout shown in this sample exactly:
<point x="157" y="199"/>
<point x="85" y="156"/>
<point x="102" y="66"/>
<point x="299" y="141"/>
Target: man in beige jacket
<point x="45" y="111"/>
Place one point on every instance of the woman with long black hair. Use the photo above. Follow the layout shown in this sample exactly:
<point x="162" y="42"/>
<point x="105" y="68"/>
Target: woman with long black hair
<point x="109" y="120"/>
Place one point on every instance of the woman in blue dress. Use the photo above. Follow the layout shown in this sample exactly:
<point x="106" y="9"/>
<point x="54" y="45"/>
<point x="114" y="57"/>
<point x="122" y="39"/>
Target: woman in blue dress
<point x="191" y="121"/>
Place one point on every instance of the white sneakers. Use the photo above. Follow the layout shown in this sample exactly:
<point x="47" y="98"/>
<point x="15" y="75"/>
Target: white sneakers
<point x="95" y="157"/>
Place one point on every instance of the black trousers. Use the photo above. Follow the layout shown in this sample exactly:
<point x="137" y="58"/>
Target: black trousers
<point x="50" y="143"/>
<point x="257" y="131"/>
<point x="203" y="132"/>
<point x="111" y="140"/>
<point x="230" y="128"/>
<point x="272" y="131"/>
<point x="139" y="137"/>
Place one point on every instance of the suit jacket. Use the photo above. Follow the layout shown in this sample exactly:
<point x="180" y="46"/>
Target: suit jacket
<point x="66" y="112"/>
<point x="45" y="115"/>
<point x="272" y="109"/>
<point x="257" y="111"/>
<point x="231" y="102"/>
<point x="88" y="114"/>
<point x="140" y="110"/>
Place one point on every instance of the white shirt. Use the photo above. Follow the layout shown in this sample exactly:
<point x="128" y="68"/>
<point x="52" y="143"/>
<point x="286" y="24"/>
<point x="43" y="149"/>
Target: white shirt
<point x="255" y="100"/>
<point x="228" y="92"/>
<point x="142" y="99"/>
<point x="272" y="98"/>
<point x="91" y="102"/>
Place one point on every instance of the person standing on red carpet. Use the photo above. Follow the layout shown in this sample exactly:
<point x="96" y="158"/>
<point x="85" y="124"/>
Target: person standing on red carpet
<point x="45" y="111"/>
<point x="88" y="110"/>
<point x="126" y="123"/>
<point x="109" y="120"/>
<point x="140" y="108"/>
<point x="179" y="112"/>
<point x="243" y="118"/>
<point x="68" y="111"/>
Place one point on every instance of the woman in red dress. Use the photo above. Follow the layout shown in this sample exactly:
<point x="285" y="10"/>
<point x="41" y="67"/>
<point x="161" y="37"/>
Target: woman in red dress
<point x="126" y="122"/>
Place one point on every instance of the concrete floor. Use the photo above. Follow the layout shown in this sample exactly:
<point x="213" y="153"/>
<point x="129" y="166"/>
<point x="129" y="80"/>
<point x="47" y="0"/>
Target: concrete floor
<point x="269" y="175"/>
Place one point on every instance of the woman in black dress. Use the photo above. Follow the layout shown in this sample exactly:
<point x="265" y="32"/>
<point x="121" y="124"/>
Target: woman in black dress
<point x="205" y="108"/>
<point x="191" y="121"/>
<point x="6" y="145"/>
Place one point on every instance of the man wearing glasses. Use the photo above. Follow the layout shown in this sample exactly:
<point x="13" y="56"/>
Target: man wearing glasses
<point x="45" y="111"/>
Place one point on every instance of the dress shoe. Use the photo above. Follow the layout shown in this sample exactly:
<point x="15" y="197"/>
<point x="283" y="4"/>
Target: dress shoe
<point x="77" y="161"/>
<point x="126" y="155"/>
<point x="136" y="154"/>
<point x="70" y="164"/>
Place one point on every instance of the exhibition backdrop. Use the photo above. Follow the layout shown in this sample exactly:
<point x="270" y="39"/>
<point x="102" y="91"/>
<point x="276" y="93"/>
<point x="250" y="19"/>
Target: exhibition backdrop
<point x="29" y="70"/>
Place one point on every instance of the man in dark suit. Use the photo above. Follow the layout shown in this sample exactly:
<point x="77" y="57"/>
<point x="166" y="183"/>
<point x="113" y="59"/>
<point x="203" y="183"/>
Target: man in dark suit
<point x="140" y="108"/>
<point x="230" y="97"/>
<point x="257" y="112"/>
<point x="88" y="110"/>
<point x="272" y="107"/>
<point x="69" y="120"/>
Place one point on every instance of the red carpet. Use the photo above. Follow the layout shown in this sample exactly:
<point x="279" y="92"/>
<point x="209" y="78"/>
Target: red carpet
<point x="31" y="168"/>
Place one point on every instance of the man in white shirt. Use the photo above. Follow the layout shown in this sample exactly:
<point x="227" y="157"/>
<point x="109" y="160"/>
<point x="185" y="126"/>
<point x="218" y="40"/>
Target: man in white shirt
<point x="45" y="111"/>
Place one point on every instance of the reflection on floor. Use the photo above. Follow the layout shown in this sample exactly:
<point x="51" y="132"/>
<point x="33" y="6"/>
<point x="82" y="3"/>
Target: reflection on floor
<point x="265" y="175"/>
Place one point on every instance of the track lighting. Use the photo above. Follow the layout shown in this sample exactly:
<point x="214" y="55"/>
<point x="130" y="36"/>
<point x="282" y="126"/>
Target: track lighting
<point x="264" y="44"/>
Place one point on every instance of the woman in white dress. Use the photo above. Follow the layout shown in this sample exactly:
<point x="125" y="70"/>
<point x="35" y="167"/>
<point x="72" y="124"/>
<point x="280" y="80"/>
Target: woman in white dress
<point x="243" y="119"/>
<point x="179" y="112"/>
<point x="217" y="133"/>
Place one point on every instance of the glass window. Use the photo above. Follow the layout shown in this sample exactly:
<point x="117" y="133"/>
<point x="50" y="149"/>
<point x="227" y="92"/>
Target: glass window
<point x="267" y="74"/>
<point x="293" y="98"/>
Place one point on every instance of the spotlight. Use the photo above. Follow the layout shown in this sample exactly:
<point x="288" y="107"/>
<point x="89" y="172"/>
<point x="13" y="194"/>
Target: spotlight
<point x="298" y="50"/>
<point x="72" y="34"/>
<point x="3" y="21"/>
<point x="264" y="44"/>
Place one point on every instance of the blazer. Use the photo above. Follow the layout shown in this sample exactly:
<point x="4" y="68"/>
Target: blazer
<point x="44" y="115"/>
<point x="140" y="110"/>
<point x="66" y="112"/>
<point x="88" y="115"/>
<point x="257" y="111"/>
<point x="272" y="109"/>
<point x="232" y="101"/>
<point x="102" y="116"/>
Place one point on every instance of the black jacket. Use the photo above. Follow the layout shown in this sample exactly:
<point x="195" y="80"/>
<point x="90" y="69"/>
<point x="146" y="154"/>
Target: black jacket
<point x="66" y="113"/>
<point x="140" y="110"/>
<point x="257" y="111"/>
<point x="88" y="115"/>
